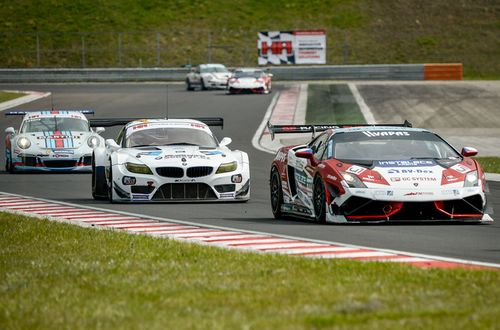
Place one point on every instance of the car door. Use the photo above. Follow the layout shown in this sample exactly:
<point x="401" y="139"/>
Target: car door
<point x="303" y="171"/>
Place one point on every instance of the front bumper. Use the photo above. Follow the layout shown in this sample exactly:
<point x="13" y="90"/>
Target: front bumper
<point x="133" y="187"/>
<point x="365" y="205"/>
<point x="32" y="163"/>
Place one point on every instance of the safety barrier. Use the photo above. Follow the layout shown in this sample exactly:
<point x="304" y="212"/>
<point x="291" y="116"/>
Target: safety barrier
<point x="450" y="71"/>
<point x="281" y="73"/>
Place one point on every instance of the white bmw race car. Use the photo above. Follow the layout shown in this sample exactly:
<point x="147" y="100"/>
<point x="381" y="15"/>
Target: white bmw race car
<point x="51" y="141"/>
<point x="208" y="76"/>
<point x="169" y="160"/>
<point x="248" y="80"/>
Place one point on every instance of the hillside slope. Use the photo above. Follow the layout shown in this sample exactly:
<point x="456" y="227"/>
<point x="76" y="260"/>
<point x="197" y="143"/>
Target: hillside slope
<point x="87" y="33"/>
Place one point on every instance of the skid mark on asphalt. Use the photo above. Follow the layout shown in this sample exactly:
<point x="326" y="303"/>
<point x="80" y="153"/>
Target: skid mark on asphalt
<point x="214" y="236"/>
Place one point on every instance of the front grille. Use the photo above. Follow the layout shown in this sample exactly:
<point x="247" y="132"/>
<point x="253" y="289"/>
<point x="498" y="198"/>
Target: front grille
<point x="59" y="163"/>
<point x="184" y="191"/>
<point x="29" y="161"/>
<point x="199" y="171"/>
<point x="223" y="188"/>
<point x="87" y="160"/>
<point x="170" y="172"/>
<point x="142" y="189"/>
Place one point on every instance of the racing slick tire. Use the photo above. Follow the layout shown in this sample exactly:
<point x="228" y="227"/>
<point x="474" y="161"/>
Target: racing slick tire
<point x="319" y="200"/>
<point x="8" y="165"/>
<point x="189" y="87"/>
<point x="110" y="187"/>
<point x="276" y="194"/>
<point x="99" y="185"/>
<point x="202" y="82"/>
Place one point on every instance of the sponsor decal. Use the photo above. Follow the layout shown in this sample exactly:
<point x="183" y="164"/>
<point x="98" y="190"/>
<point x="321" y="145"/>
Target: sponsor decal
<point x="396" y="179"/>
<point x="185" y="157"/>
<point x="63" y="151"/>
<point x="185" y="180"/>
<point x="354" y="169"/>
<point x="384" y="193"/>
<point x="409" y="171"/>
<point x="448" y="192"/>
<point x="331" y="177"/>
<point x="227" y="195"/>
<point x="420" y="193"/>
<point x="280" y="156"/>
<point x="460" y="168"/>
<point x="406" y="163"/>
<point x="213" y="153"/>
<point x="451" y="178"/>
<point x="149" y="153"/>
<point x="61" y="156"/>
<point x="384" y="133"/>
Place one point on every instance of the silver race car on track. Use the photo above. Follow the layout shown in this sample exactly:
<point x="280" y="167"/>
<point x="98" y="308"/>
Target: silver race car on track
<point x="169" y="160"/>
<point x="51" y="141"/>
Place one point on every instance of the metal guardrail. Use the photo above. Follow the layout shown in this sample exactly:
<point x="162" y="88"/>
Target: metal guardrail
<point x="331" y="72"/>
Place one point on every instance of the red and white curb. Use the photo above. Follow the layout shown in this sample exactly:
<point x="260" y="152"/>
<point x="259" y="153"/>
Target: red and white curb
<point x="216" y="236"/>
<point x="30" y="97"/>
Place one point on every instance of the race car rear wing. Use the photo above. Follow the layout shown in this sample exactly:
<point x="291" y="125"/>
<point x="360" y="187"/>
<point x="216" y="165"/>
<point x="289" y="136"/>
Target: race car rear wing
<point x="108" y="122"/>
<point x="282" y="129"/>
<point x="53" y="111"/>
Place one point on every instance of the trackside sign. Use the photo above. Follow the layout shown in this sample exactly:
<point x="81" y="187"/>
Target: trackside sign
<point x="292" y="47"/>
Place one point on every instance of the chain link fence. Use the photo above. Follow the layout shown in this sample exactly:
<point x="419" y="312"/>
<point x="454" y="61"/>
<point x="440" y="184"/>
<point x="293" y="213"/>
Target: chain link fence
<point x="477" y="47"/>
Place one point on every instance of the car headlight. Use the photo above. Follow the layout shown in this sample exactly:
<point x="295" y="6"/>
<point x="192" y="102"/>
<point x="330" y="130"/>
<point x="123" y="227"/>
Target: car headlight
<point x="471" y="179"/>
<point x="93" y="142"/>
<point x="138" y="168"/>
<point x="24" y="143"/>
<point x="227" y="167"/>
<point x="352" y="180"/>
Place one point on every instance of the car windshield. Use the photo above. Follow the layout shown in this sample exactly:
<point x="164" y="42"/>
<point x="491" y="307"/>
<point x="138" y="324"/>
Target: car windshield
<point x="55" y="124"/>
<point x="163" y="136"/>
<point x="213" y="68"/>
<point x="248" y="74"/>
<point x="388" y="145"/>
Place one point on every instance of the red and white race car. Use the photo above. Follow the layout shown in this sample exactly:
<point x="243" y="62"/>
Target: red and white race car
<point x="376" y="173"/>
<point x="248" y="80"/>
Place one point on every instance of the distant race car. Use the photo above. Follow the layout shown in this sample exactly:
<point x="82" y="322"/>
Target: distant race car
<point x="376" y="173"/>
<point x="208" y="76"/>
<point x="169" y="160"/>
<point x="51" y="141"/>
<point x="249" y="80"/>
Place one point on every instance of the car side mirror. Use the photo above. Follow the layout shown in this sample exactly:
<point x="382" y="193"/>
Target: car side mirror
<point x="468" y="152"/>
<point x="305" y="153"/>
<point x="99" y="130"/>
<point x="111" y="144"/>
<point x="225" y="141"/>
<point x="193" y="69"/>
<point x="10" y="130"/>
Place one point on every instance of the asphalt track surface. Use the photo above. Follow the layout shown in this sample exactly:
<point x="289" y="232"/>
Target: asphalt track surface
<point x="242" y="115"/>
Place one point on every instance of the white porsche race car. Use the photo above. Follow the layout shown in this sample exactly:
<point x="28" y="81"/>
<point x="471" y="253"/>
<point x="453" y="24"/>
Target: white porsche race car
<point x="169" y="160"/>
<point x="51" y="141"/>
<point x="248" y="80"/>
<point x="208" y="76"/>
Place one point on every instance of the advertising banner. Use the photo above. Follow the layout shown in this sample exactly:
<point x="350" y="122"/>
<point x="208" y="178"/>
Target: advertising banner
<point x="292" y="47"/>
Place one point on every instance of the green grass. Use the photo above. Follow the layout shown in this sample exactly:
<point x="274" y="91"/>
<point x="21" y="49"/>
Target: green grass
<point x="55" y="275"/>
<point x="358" y="31"/>
<point x="7" y="96"/>
<point x="332" y="103"/>
<point x="489" y="164"/>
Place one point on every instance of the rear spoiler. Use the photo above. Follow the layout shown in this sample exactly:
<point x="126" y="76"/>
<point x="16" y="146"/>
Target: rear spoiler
<point x="282" y="129"/>
<point x="108" y="122"/>
<point x="22" y="113"/>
